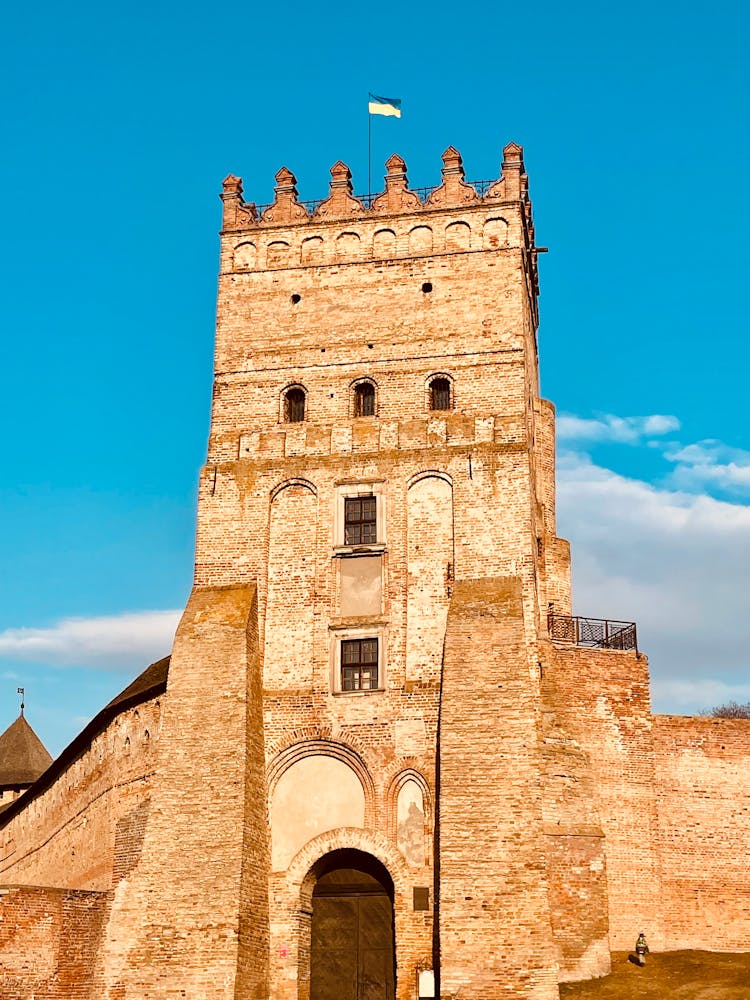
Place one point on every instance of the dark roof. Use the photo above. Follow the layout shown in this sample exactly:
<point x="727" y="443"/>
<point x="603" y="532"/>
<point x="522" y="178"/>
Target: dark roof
<point x="23" y="756"/>
<point x="149" y="684"/>
<point x="154" y="676"/>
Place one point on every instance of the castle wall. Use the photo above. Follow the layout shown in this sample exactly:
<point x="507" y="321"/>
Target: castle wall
<point x="576" y="855"/>
<point x="703" y="800"/>
<point x="49" y="940"/>
<point x="86" y="829"/>
<point x="491" y="841"/>
<point x="193" y="913"/>
<point x="601" y="699"/>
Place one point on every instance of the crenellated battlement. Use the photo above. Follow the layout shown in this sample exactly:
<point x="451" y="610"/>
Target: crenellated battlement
<point x="398" y="198"/>
<point x="399" y="222"/>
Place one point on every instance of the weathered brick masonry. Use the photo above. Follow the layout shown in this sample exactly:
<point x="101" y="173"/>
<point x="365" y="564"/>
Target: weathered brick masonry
<point x="49" y="942"/>
<point x="702" y="769"/>
<point x="374" y="773"/>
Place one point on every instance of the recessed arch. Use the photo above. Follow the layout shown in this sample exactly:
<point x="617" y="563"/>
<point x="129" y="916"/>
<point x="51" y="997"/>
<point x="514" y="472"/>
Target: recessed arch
<point x="348" y="244"/>
<point x="312" y="249"/>
<point x="410" y="822"/>
<point x="286" y="757"/>
<point x="495" y="234"/>
<point x="293" y="403"/>
<point x="457" y="236"/>
<point x="245" y="256"/>
<point x="431" y="560"/>
<point x="304" y="483"/>
<point x="277" y="253"/>
<point x="440" y="394"/>
<point x="428" y="474"/>
<point x="410" y="773"/>
<point x="364" y="397"/>
<point x="384" y="243"/>
<point x="290" y="585"/>
<point x="296" y="816"/>
<point x="420" y="240"/>
<point x="407" y="771"/>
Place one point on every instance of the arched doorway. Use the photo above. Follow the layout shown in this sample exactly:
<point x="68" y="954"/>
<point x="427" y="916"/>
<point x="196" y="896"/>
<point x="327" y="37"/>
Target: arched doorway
<point x="352" y="948"/>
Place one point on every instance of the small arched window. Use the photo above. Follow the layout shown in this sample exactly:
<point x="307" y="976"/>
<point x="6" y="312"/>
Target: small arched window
<point x="440" y="393"/>
<point x="364" y="399"/>
<point x="294" y="405"/>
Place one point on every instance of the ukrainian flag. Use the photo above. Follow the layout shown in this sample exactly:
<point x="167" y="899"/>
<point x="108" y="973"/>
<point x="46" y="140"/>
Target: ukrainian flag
<point x="384" y="106"/>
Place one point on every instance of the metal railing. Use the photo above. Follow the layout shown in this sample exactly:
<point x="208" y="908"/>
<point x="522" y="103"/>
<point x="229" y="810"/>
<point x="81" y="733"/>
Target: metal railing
<point x="423" y="193"/>
<point x="597" y="633"/>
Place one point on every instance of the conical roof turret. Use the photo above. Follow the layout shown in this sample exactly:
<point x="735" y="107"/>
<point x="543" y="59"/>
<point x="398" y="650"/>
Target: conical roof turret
<point x="23" y="756"/>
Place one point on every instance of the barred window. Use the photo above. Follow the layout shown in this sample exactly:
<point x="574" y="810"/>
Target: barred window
<point x="364" y="399"/>
<point x="359" y="664"/>
<point x="360" y="520"/>
<point x="440" y="394"/>
<point x="294" y="405"/>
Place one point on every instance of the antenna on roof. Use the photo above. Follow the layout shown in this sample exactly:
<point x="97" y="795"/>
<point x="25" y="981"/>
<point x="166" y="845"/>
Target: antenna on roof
<point x="22" y="692"/>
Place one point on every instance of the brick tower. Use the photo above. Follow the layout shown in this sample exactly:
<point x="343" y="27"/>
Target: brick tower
<point x="351" y="798"/>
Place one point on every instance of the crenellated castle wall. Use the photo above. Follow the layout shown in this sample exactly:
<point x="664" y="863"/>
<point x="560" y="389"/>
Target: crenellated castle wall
<point x="85" y="830"/>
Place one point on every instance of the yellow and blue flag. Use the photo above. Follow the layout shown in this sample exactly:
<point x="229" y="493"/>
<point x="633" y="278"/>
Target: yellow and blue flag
<point x="384" y="106"/>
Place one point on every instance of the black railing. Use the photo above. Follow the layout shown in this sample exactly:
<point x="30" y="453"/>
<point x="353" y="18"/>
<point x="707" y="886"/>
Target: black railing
<point x="597" y="633"/>
<point x="423" y="193"/>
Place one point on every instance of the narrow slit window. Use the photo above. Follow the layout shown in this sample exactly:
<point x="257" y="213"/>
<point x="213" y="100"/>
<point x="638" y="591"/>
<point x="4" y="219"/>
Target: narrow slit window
<point x="294" y="405"/>
<point x="364" y="400"/>
<point x="440" y="394"/>
<point x="359" y="664"/>
<point x="360" y="520"/>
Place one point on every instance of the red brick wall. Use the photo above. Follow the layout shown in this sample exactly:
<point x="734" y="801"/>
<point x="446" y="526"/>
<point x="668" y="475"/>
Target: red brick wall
<point x="601" y="699"/>
<point x="49" y="942"/>
<point x="576" y="862"/>
<point x="70" y="834"/>
<point x="494" y="915"/>
<point x="703" y="803"/>
<point x="175" y="923"/>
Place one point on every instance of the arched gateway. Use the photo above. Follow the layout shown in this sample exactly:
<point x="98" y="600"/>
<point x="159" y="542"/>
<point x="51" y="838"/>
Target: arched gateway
<point x="352" y="944"/>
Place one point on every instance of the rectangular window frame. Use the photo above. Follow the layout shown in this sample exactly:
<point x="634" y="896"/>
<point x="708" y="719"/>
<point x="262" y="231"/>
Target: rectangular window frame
<point x="358" y="491"/>
<point x="361" y="520"/>
<point x="360" y="662"/>
<point x="341" y="636"/>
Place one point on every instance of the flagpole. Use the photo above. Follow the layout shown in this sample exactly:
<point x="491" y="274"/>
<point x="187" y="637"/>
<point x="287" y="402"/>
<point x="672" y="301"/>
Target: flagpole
<point x="369" y="154"/>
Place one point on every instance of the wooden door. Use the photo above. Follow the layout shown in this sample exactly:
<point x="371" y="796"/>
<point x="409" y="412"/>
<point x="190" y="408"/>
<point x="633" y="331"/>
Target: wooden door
<point x="351" y="955"/>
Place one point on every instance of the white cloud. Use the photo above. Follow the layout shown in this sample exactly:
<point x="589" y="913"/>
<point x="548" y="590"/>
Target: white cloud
<point x="606" y="427"/>
<point x="674" y="562"/>
<point x="710" y="464"/>
<point x="113" y="642"/>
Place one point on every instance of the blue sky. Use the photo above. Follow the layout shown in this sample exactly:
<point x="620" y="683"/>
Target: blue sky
<point x="120" y="123"/>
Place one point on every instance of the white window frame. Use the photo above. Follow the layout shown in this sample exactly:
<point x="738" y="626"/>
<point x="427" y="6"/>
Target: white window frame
<point x="339" y="635"/>
<point x="350" y="491"/>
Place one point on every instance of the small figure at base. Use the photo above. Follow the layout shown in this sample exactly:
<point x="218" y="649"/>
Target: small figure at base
<point x="641" y="949"/>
